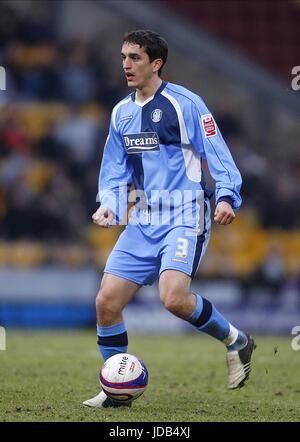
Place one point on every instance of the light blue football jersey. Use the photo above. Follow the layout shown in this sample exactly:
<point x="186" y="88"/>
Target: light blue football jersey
<point x="158" y="146"/>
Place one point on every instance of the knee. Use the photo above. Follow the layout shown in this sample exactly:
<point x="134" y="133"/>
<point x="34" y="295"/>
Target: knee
<point x="107" y="305"/>
<point x="172" y="299"/>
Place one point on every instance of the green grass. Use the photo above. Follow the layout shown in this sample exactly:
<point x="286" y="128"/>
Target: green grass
<point x="45" y="376"/>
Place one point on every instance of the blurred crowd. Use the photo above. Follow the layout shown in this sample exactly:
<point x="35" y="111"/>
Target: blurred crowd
<point x="53" y="122"/>
<point x="49" y="153"/>
<point x="270" y="179"/>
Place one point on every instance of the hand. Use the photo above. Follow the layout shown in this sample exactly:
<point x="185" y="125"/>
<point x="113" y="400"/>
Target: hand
<point x="224" y="213"/>
<point x="103" y="217"/>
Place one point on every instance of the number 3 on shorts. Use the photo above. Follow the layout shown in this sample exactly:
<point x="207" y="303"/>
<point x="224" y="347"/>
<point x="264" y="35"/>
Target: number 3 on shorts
<point x="182" y="248"/>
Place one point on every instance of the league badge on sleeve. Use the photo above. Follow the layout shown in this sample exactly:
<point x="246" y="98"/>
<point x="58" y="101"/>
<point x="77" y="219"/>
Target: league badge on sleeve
<point x="209" y="125"/>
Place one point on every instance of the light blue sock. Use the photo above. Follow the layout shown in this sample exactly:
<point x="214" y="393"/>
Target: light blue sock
<point x="208" y="319"/>
<point x="112" y="340"/>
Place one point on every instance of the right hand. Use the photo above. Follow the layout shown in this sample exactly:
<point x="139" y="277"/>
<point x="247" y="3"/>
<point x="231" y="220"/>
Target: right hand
<point x="224" y="213"/>
<point x="103" y="217"/>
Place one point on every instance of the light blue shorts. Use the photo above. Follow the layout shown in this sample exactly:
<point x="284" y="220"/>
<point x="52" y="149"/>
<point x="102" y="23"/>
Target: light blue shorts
<point x="141" y="257"/>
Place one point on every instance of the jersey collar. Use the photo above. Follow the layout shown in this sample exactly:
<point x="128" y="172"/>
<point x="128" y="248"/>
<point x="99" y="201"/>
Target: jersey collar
<point x="161" y="87"/>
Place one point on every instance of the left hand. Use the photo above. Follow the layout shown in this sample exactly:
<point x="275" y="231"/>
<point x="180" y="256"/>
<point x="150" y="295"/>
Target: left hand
<point x="224" y="213"/>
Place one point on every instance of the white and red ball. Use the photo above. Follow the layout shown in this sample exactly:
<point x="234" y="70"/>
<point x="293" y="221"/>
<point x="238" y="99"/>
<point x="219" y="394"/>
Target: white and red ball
<point x="123" y="377"/>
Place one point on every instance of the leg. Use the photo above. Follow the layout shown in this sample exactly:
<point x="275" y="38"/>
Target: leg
<point x="113" y="296"/>
<point x="131" y="264"/>
<point x="176" y="296"/>
<point x="133" y="257"/>
<point x="174" y="288"/>
<point x="178" y="299"/>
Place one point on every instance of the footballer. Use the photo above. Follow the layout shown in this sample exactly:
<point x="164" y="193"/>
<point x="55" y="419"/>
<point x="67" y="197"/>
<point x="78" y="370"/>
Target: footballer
<point x="158" y="138"/>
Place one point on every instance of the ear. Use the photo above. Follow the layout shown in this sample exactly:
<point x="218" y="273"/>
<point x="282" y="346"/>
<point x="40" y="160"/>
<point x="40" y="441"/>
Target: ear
<point x="157" y="64"/>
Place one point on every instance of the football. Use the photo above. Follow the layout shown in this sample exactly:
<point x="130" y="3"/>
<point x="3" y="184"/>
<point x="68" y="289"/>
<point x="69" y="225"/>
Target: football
<point x="123" y="377"/>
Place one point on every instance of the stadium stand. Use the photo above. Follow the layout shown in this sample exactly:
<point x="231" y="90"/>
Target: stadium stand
<point x="273" y="27"/>
<point x="53" y="123"/>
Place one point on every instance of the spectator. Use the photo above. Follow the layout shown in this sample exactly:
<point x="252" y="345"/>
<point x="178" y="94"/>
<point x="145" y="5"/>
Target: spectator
<point x="269" y="275"/>
<point x="79" y="135"/>
<point x="77" y="77"/>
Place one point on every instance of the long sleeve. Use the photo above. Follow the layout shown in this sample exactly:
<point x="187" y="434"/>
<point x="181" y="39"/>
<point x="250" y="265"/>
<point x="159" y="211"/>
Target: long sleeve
<point x="205" y="136"/>
<point x="115" y="175"/>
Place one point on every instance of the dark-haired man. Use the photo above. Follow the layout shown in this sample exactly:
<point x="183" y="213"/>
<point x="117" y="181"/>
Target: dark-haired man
<point x="158" y="137"/>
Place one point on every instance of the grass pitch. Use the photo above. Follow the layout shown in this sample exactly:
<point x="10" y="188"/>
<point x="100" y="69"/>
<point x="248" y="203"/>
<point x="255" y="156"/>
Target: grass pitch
<point x="45" y="376"/>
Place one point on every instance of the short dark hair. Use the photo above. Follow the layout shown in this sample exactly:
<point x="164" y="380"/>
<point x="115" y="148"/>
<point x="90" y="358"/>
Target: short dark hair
<point x="155" y="46"/>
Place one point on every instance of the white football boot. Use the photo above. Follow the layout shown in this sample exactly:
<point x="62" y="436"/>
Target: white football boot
<point x="239" y="364"/>
<point x="103" y="401"/>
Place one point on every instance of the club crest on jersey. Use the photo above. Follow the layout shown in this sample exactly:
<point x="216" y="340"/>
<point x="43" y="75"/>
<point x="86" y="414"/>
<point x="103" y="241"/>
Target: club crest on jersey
<point x="156" y="115"/>
<point x="141" y="142"/>
<point x="209" y="125"/>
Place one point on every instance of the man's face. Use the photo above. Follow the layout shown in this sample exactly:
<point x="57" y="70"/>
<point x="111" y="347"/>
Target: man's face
<point x="137" y="66"/>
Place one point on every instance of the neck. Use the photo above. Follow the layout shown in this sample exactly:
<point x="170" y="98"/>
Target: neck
<point x="147" y="91"/>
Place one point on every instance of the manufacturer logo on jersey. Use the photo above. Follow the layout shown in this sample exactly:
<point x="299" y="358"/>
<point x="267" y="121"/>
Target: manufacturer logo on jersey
<point x="126" y="117"/>
<point x="156" y="115"/>
<point x="141" y="142"/>
<point x="209" y="125"/>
